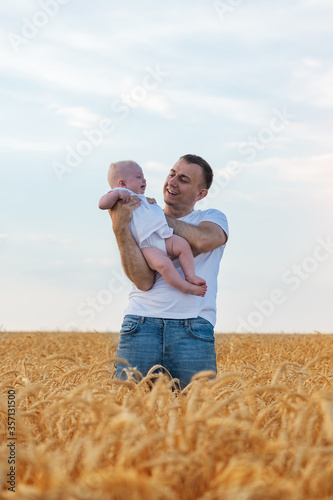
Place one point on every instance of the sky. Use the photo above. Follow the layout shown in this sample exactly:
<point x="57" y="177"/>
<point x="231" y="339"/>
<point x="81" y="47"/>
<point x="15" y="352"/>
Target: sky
<point x="246" y="85"/>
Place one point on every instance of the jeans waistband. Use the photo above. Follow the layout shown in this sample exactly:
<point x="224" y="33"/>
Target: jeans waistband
<point x="183" y="322"/>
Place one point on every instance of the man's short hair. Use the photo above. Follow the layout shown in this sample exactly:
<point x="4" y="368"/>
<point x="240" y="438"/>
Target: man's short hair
<point x="207" y="169"/>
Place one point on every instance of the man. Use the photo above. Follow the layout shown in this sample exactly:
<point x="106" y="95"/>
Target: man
<point x="163" y="326"/>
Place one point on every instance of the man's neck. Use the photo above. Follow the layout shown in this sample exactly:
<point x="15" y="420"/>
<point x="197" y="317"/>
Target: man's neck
<point x="175" y="213"/>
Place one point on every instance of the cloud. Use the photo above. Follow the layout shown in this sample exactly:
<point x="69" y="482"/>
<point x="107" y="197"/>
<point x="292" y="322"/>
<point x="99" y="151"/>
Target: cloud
<point x="157" y="104"/>
<point x="267" y="22"/>
<point x="315" y="80"/>
<point x="76" y="39"/>
<point x="313" y="169"/>
<point x="48" y="64"/>
<point x="99" y="262"/>
<point x="239" y="109"/>
<point x="18" y="144"/>
<point x="18" y="8"/>
<point x="157" y="166"/>
<point x="49" y="238"/>
<point x="79" y="117"/>
<point x="231" y="195"/>
<point x="91" y="262"/>
<point x="309" y="178"/>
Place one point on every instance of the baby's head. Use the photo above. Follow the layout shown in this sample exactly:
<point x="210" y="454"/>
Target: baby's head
<point x="127" y="174"/>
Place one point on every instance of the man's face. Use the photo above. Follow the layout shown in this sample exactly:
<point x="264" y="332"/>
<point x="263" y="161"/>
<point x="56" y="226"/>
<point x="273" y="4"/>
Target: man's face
<point x="184" y="185"/>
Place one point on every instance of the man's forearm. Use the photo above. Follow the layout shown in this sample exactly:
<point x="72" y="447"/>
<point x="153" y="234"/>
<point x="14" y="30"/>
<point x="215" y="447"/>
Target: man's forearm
<point x="202" y="238"/>
<point x="188" y="231"/>
<point x="133" y="261"/>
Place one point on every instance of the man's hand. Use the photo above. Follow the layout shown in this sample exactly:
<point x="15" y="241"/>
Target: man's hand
<point x="151" y="200"/>
<point x="122" y="212"/>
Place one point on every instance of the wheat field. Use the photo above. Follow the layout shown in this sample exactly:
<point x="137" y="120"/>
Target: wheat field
<point x="262" y="430"/>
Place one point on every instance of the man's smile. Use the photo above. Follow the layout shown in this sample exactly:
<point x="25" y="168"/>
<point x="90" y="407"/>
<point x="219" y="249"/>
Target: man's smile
<point x="171" y="191"/>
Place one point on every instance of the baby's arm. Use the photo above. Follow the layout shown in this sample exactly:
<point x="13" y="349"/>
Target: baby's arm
<point x="109" y="199"/>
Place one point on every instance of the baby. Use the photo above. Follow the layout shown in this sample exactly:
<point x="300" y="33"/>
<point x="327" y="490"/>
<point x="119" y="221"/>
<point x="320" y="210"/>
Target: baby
<point x="151" y="231"/>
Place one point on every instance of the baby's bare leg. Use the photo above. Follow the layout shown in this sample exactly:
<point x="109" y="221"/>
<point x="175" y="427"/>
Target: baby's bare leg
<point x="159" y="261"/>
<point x="179" y="247"/>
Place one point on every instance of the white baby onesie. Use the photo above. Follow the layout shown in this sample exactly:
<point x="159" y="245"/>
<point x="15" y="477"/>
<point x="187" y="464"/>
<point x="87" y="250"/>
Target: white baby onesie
<point x="148" y="224"/>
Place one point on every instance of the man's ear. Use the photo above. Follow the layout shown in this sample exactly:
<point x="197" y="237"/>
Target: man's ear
<point x="202" y="194"/>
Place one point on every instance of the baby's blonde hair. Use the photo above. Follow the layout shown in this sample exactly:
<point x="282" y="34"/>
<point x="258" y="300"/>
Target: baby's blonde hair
<point x="118" y="171"/>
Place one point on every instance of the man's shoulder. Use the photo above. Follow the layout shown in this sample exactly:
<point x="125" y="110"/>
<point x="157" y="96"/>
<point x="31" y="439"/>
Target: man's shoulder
<point x="211" y="212"/>
<point x="197" y="216"/>
<point x="208" y="215"/>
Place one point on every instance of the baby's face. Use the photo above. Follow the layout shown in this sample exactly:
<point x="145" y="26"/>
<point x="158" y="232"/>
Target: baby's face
<point x="135" y="180"/>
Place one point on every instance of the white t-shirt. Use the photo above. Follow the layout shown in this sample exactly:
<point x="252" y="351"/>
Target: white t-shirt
<point x="164" y="301"/>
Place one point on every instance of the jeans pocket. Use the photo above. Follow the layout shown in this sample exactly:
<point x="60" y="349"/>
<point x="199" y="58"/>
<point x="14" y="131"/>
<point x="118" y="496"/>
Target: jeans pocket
<point x="202" y="330"/>
<point x="130" y="325"/>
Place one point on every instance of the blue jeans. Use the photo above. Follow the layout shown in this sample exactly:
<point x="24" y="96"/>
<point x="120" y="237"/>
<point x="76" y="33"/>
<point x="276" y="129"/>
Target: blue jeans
<point x="182" y="346"/>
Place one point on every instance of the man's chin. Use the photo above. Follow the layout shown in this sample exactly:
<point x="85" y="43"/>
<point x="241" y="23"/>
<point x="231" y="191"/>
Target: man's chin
<point x="170" y="200"/>
<point x="167" y="201"/>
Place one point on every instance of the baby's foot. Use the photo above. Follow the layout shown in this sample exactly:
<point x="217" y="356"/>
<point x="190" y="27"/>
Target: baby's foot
<point x="197" y="289"/>
<point x="195" y="280"/>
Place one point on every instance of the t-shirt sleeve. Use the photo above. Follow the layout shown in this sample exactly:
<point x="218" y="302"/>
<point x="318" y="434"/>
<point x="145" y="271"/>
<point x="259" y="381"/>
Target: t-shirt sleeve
<point x="213" y="215"/>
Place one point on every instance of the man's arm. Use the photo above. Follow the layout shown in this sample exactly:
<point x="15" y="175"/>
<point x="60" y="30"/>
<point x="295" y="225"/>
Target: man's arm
<point x="133" y="261"/>
<point x="203" y="238"/>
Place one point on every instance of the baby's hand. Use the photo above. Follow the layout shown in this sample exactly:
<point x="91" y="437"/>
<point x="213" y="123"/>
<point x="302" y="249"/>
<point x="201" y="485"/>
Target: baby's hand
<point x="150" y="200"/>
<point x="124" y="196"/>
